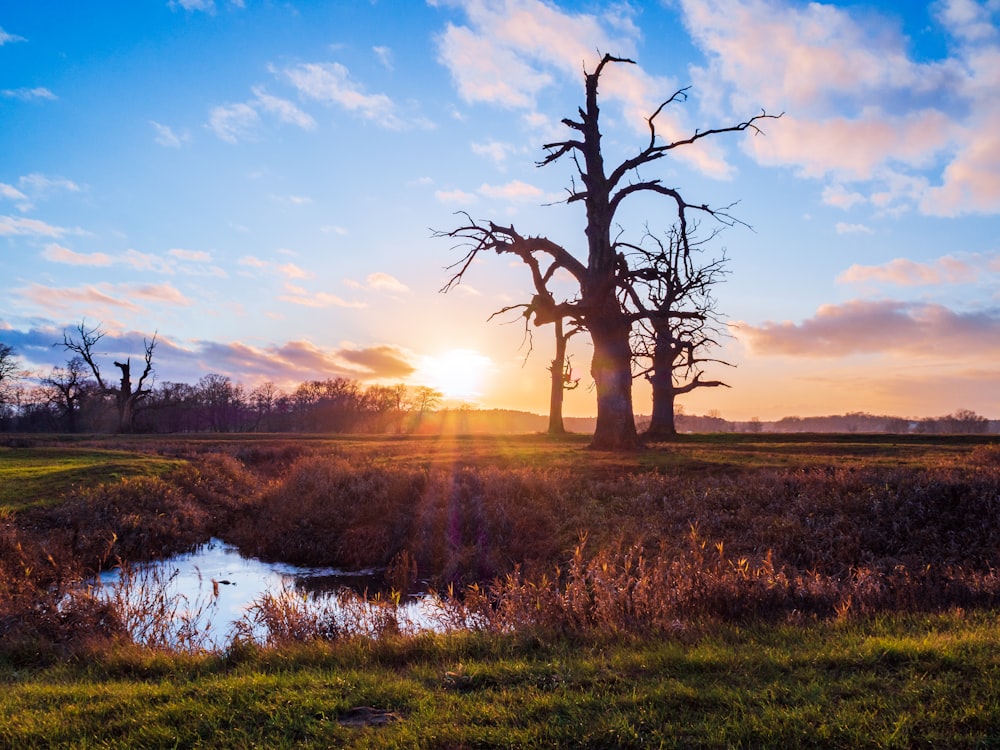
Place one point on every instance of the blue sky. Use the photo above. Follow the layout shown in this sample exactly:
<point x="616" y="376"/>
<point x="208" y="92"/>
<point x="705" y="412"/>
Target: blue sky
<point x="258" y="183"/>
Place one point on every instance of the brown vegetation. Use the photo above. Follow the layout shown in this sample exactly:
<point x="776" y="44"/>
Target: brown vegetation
<point x="572" y="547"/>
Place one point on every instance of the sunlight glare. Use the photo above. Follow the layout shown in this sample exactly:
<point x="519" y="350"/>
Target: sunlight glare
<point x="460" y="374"/>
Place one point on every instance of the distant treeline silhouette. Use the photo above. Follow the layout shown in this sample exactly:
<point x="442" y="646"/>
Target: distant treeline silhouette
<point x="218" y="404"/>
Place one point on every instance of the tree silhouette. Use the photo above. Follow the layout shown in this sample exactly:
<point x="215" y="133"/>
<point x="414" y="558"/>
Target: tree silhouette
<point x="66" y="388"/>
<point x="678" y="322"/>
<point x="9" y="369"/>
<point x="126" y="397"/>
<point x="598" y="307"/>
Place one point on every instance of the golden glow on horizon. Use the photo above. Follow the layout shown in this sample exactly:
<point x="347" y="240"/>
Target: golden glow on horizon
<point x="460" y="374"/>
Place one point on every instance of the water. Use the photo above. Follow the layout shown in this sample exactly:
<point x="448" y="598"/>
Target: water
<point x="215" y="586"/>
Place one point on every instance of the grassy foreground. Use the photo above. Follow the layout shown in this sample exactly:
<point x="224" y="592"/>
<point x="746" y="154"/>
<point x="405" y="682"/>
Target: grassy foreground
<point x="733" y="591"/>
<point x="893" y="682"/>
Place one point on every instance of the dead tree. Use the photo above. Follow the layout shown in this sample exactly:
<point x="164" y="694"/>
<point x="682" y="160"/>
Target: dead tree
<point x="66" y="387"/>
<point x="126" y="397"/>
<point x="598" y="307"/>
<point x="678" y="320"/>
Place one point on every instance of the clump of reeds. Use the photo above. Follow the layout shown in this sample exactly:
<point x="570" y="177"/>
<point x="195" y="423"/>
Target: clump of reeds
<point x="156" y="616"/>
<point x="627" y="590"/>
<point x="44" y="612"/>
<point x="288" y="616"/>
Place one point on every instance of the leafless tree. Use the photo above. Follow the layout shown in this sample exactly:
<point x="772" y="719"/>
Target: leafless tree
<point x="66" y="387"/>
<point x="598" y="306"/>
<point x="126" y="397"/>
<point x="9" y="370"/>
<point x="678" y="322"/>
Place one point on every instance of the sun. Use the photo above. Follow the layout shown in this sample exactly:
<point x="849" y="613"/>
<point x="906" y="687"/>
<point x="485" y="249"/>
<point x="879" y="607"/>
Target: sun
<point x="460" y="374"/>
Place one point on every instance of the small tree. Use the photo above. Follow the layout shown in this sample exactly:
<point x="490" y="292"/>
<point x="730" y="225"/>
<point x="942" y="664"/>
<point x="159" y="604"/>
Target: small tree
<point x="127" y="397"/>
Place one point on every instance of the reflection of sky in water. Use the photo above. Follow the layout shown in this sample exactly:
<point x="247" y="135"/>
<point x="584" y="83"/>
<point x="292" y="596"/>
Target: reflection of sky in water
<point x="241" y="580"/>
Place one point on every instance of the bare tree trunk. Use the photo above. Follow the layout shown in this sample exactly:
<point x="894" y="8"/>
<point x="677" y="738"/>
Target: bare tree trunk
<point x="558" y="387"/>
<point x="612" y="372"/>
<point x="661" y="423"/>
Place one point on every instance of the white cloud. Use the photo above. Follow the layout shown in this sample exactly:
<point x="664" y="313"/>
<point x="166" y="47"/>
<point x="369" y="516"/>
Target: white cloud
<point x="515" y="190"/>
<point x="233" y="122"/>
<point x="384" y="282"/>
<point x="283" y="109"/>
<point x="510" y="51"/>
<point x="11" y="225"/>
<point x="845" y="228"/>
<point x="331" y="83"/>
<point x="966" y="19"/>
<point x="59" y="254"/>
<point x="26" y="94"/>
<point x="298" y="296"/>
<point x="196" y="256"/>
<point x="861" y="109"/>
<point x="384" y="55"/>
<point x="9" y="191"/>
<point x="496" y="151"/>
<point x="7" y="38"/>
<point x="207" y="6"/>
<point x="165" y="135"/>
<point x="455" y="196"/>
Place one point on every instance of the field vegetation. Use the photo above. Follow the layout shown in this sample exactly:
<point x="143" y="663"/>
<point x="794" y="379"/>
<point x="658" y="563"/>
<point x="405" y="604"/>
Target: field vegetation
<point x="713" y="591"/>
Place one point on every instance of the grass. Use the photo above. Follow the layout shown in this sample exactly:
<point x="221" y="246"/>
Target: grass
<point x="41" y="475"/>
<point x="893" y="682"/>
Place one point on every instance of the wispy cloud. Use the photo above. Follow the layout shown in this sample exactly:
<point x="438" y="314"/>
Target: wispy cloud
<point x="331" y="83"/>
<point x="495" y="151"/>
<point x="12" y="225"/>
<point x="233" y="122"/>
<point x="515" y="190"/>
<point x="283" y="109"/>
<point x="7" y="38"/>
<point x="165" y="135"/>
<point x="379" y="281"/>
<point x="59" y="254"/>
<point x="241" y="120"/>
<point x="102" y="297"/>
<point x="297" y="295"/>
<point x="459" y="197"/>
<point x="27" y="94"/>
<point x="11" y="193"/>
<point x="948" y="269"/>
<point x="843" y="227"/>
<point x="384" y="55"/>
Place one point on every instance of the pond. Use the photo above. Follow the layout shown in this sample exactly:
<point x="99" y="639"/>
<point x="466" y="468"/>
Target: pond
<point x="201" y="596"/>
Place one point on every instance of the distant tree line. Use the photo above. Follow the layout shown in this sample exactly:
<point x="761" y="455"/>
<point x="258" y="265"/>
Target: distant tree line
<point x="75" y="398"/>
<point x="70" y="399"/>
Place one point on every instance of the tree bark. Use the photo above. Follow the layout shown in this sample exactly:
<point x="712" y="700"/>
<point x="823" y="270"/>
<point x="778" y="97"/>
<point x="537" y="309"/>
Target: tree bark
<point x="611" y="368"/>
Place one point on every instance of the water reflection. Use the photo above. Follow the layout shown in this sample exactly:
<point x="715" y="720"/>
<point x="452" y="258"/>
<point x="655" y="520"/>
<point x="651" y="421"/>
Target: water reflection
<point x="216" y="586"/>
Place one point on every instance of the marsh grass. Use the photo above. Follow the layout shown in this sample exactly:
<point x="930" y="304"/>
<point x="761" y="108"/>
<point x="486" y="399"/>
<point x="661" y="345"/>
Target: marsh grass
<point x="850" y="527"/>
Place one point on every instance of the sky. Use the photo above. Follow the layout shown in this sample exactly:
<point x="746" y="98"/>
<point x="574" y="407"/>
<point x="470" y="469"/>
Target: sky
<point x="259" y="183"/>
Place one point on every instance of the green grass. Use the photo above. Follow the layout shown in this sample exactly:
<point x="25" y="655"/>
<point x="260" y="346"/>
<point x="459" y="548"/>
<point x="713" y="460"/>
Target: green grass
<point x="41" y="475"/>
<point x="896" y="682"/>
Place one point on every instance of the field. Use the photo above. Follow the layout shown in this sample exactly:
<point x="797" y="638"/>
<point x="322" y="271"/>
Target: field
<point x="715" y="591"/>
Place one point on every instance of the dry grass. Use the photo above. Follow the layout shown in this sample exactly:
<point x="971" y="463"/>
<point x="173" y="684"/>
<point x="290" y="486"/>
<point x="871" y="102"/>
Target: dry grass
<point x="668" y="541"/>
